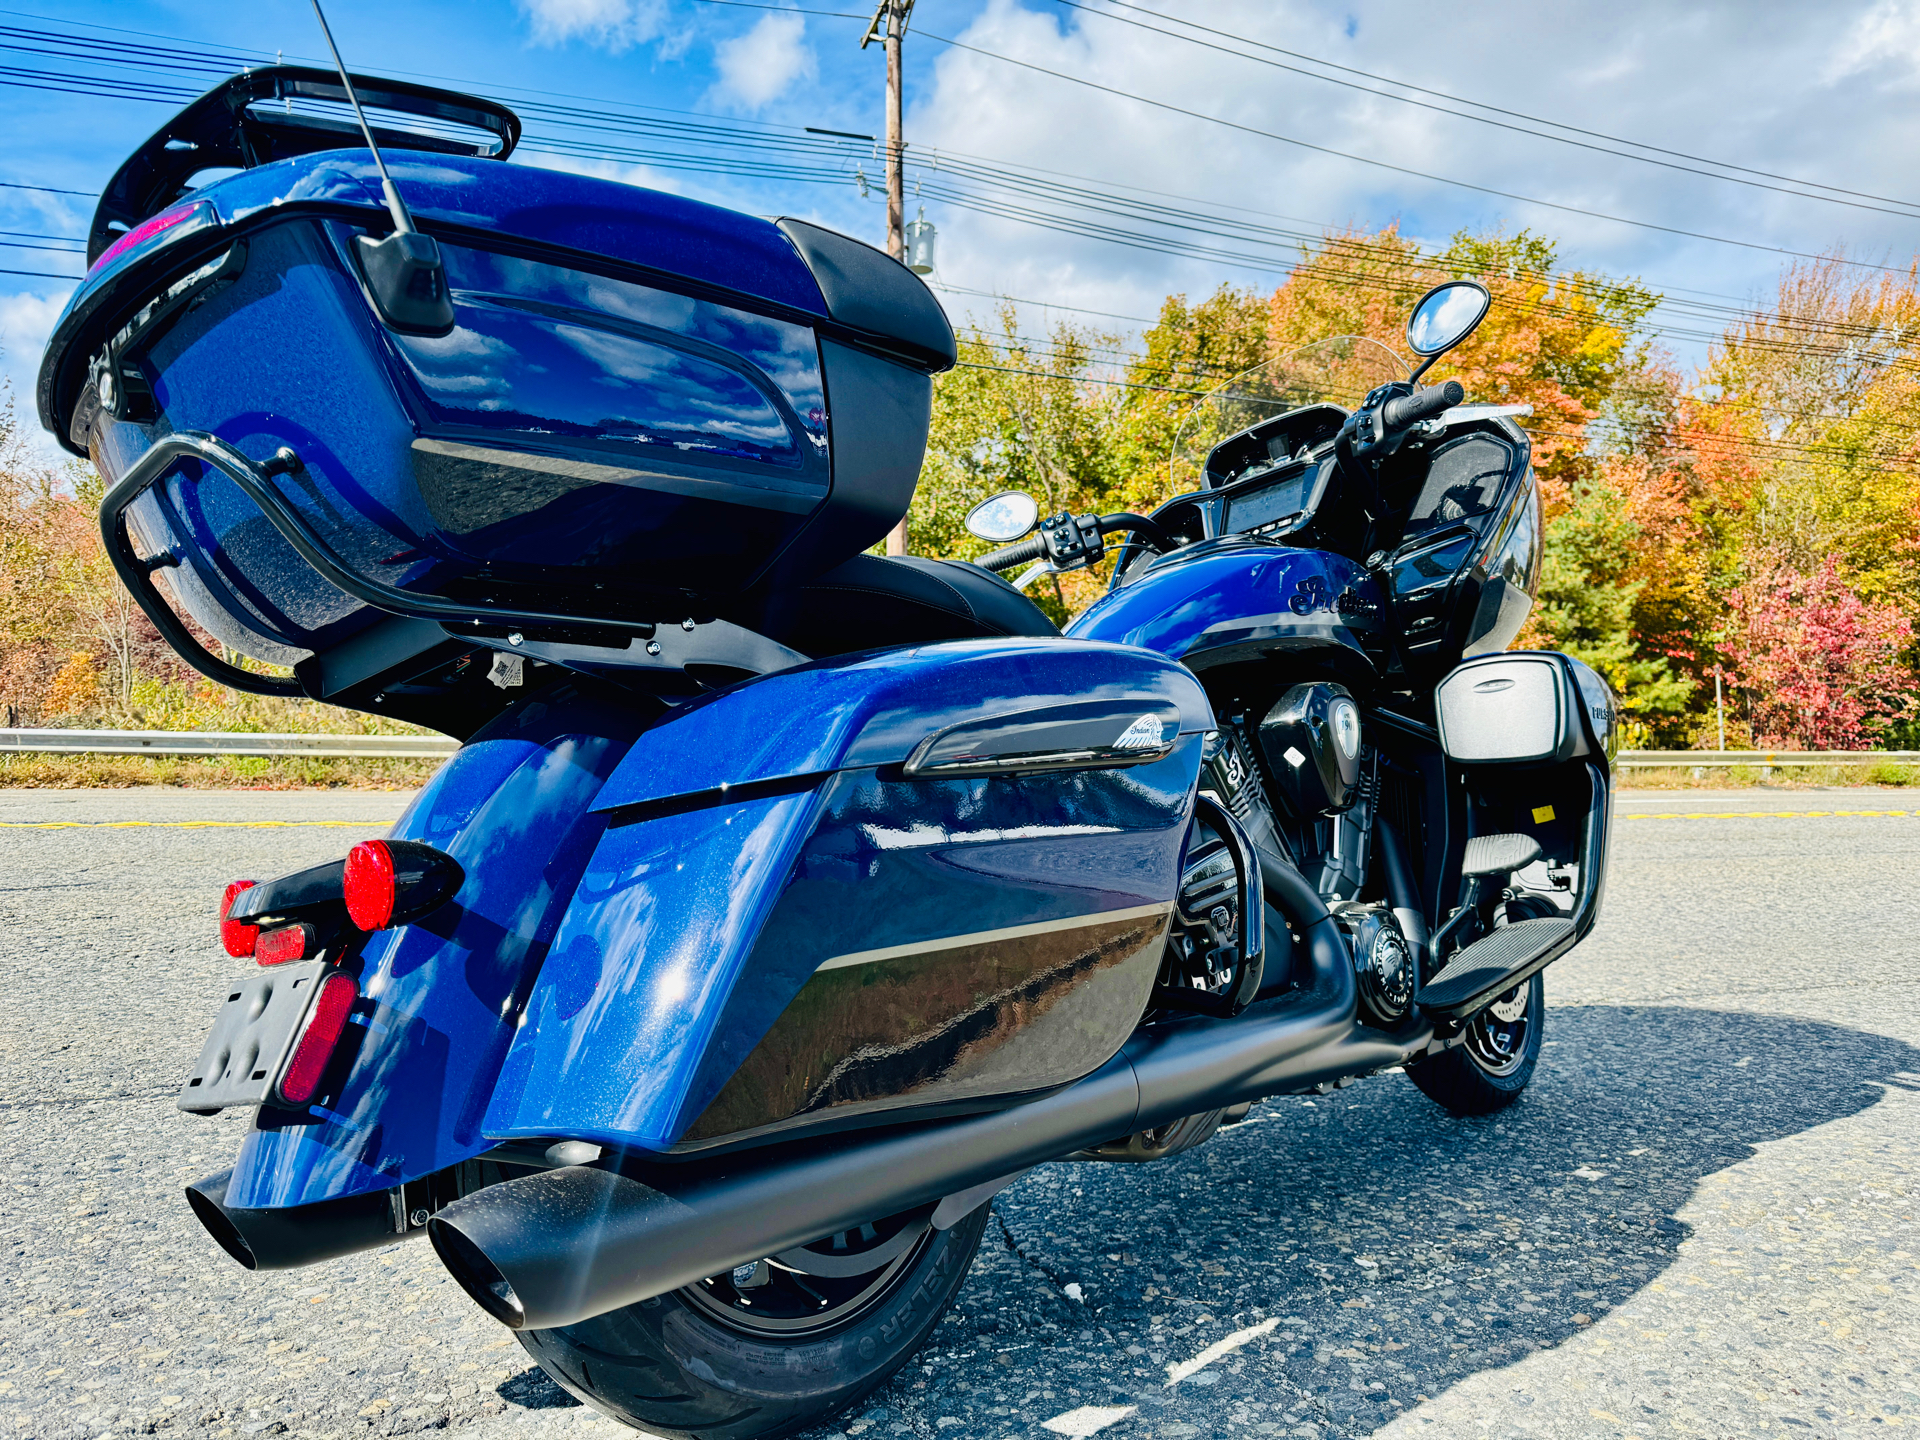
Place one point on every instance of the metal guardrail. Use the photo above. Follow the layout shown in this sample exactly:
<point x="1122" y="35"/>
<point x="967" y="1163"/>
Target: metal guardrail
<point x="1646" y="760"/>
<point x="285" y="743"/>
<point x="224" y="743"/>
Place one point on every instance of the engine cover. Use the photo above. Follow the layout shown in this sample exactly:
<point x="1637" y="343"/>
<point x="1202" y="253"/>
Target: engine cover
<point x="1383" y="963"/>
<point x="1312" y="739"/>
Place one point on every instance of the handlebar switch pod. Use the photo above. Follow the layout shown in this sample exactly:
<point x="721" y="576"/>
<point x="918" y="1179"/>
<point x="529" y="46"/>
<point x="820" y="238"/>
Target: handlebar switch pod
<point x="1389" y="414"/>
<point x="1072" y="541"/>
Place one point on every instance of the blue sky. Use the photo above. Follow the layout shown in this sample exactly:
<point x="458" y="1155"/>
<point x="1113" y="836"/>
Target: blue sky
<point x="1822" y="93"/>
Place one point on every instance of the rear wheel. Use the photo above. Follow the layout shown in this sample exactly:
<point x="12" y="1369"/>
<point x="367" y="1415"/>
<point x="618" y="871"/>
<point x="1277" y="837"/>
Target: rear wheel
<point x="1495" y="1060"/>
<point x="778" y="1345"/>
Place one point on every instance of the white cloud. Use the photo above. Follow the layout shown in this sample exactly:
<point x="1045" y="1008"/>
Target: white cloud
<point x="26" y="320"/>
<point x="1742" y="82"/>
<point x="614" y="24"/>
<point x="758" y="67"/>
<point x="1885" y="35"/>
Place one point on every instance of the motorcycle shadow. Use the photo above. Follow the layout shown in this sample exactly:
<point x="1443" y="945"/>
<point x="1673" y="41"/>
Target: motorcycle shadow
<point x="1377" y="1229"/>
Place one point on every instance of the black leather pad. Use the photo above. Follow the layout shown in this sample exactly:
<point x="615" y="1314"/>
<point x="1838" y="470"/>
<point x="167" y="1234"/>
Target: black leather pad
<point x="873" y="601"/>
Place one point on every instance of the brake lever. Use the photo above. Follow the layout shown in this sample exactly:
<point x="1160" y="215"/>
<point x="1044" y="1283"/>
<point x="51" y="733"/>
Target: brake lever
<point x="1031" y="574"/>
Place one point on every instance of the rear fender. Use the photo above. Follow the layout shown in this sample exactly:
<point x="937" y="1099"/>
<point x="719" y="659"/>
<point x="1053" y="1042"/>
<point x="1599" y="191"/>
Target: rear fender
<point x="440" y="998"/>
<point x="782" y="931"/>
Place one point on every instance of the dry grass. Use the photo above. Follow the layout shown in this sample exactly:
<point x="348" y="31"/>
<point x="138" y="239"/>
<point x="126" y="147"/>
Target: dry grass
<point x="1783" y="777"/>
<point x="262" y="773"/>
<point x="289" y="773"/>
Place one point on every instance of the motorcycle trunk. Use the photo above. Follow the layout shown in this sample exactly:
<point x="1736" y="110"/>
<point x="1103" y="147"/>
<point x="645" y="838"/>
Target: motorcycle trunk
<point x="645" y="410"/>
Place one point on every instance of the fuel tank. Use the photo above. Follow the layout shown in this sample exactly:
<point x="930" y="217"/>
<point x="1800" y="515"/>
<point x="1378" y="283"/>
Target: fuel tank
<point x="1233" y="599"/>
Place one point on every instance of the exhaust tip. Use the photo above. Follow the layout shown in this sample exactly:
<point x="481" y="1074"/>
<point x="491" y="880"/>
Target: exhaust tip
<point x="219" y="1225"/>
<point x="477" y="1275"/>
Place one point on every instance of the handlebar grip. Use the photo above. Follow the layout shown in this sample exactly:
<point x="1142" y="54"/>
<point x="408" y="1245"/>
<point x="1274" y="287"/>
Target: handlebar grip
<point x="1009" y="556"/>
<point x="1419" y="406"/>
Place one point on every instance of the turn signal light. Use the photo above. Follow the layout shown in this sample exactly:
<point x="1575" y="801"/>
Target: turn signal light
<point x="388" y="883"/>
<point x="315" y="1048"/>
<point x="238" y="937"/>
<point x="289" y="943"/>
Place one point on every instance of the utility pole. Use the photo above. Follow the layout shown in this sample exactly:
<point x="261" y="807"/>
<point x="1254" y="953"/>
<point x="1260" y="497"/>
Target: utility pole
<point x="889" y="26"/>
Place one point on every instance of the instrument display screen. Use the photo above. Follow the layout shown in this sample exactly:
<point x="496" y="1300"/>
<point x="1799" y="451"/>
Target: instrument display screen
<point x="1283" y="499"/>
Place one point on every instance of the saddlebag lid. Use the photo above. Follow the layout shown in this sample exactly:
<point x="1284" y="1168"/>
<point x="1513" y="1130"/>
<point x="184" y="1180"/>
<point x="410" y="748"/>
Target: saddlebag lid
<point x="884" y="707"/>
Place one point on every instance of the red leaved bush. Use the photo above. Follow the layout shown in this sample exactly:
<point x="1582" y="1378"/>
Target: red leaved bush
<point x="1816" y="666"/>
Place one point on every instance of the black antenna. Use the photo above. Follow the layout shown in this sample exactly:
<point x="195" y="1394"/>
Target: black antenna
<point x="404" y="274"/>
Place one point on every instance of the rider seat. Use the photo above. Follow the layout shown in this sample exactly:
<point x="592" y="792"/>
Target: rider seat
<point x="872" y="601"/>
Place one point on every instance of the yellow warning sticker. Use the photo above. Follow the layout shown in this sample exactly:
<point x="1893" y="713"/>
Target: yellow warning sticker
<point x="1543" y="814"/>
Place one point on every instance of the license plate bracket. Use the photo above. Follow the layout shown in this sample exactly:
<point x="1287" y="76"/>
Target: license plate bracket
<point x="259" y="1019"/>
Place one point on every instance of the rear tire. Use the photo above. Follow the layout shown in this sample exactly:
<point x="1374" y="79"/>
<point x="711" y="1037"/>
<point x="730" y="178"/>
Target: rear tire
<point x="1492" y="1066"/>
<point x="697" y="1362"/>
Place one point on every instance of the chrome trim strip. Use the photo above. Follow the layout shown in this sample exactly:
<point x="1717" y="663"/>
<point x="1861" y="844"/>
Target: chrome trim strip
<point x="981" y="938"/>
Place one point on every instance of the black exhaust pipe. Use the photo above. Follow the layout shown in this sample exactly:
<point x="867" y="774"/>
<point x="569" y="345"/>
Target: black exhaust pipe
<point x="288" y="1236"/>
<point x="556" y="1248"/>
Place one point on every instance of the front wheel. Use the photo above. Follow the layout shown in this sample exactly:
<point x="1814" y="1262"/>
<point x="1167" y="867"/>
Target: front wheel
<point x="775" y="1347"/>
<point x="1495" y="1060"/>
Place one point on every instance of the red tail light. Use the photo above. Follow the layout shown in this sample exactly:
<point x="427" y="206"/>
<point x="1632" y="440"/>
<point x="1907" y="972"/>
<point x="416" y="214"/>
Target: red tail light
<point x="369" y="885"/>
<point x="238" y="937"/>
<point x="289" y="943"/>
<point x="388" y="883"/>
<point x="316" y="1044"/>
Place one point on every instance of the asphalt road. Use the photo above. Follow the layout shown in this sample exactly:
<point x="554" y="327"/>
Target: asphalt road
<point x="1699" y="1221"/>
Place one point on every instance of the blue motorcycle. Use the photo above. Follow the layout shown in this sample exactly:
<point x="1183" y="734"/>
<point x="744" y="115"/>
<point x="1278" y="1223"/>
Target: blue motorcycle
<point x="785" y="902"/>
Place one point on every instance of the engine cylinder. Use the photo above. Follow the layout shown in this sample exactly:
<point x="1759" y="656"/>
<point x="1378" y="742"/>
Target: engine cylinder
<point x="1312" y="739"/>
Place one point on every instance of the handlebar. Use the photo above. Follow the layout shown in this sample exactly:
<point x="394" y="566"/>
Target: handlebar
<point x="1147" y="530"/>
<point x="1419" y="406"/>
<point x="1036" y="545"/>
<point x="1009" y="556"/>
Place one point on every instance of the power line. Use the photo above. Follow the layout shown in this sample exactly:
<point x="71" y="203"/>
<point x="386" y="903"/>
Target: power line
<point x="949" y="168"/>
<point x="1044" y="304"/>
<point x="1501" y="124"/>
<point x="1460" y="100"/>
<point x="1383" y="164"/>
<point x="1210" y="223"/>
<point x="1288" y="241"/>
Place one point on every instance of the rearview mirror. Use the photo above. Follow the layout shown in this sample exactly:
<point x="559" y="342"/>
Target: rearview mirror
<point x="1446" y="316"/>
<point x="1004" y="517"/>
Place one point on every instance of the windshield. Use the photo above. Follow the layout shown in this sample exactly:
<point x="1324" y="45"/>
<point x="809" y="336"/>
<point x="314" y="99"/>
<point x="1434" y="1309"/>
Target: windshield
<point x="1336" y="371"/>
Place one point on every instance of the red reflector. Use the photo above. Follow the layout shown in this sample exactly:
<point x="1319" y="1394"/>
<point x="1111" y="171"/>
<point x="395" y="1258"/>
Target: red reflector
<point x="238" y="937"/>
<point x="289" y="943"/>
<point x="316" y="1045"/>
<point x="369" y="885"/>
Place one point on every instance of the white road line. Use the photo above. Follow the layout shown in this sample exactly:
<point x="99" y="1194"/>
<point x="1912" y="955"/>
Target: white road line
<point x="1086" y="1420"/>
<point x="1179" y="1371"/>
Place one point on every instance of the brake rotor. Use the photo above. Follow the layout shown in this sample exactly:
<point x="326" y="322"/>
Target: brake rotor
<point x="1510" y="1006"/>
